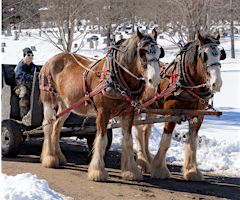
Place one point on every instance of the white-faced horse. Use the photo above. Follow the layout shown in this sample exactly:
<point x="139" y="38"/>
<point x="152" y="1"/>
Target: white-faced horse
<point x="196" y="75"/>
<point x="108" y="87"/>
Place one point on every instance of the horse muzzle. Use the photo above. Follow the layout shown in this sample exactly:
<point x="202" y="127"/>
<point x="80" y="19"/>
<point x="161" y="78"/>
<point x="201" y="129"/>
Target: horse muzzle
<point x="215" y="80"/>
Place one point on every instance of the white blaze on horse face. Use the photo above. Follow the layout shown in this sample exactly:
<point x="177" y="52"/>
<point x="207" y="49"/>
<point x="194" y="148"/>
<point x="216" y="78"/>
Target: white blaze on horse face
<point x="215" y="79"/>
<point x="152" y="72"/>
<point x="214" y="71"/>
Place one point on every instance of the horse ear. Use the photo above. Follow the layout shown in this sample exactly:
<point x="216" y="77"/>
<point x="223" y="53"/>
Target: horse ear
<point x="139" y="34"/>
<point x="217" y="36"/>
<point x="154" y="34"/>
<point x="200" y="39"/>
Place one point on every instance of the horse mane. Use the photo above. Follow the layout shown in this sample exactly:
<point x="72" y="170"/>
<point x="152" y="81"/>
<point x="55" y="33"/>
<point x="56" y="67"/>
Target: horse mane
<point x="129" y="48"/>
<point x="192" y="48"/>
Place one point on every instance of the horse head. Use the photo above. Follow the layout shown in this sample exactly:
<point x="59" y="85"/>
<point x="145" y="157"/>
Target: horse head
<point x="149" y="54"/>
<point x="210" y="56"/>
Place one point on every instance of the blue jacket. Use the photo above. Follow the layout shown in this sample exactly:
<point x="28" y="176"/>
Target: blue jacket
<point x="25" y="72"/>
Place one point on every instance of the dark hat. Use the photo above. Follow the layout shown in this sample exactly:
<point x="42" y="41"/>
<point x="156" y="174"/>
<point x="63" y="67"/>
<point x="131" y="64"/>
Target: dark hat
<point x="26" y="51"/>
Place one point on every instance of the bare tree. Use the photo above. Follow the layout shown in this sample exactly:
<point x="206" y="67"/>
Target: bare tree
<point x="229" y="13"/>
<point x="109" y="14"/>
<point x="61" y="23"/>
<point x="20" y="11"/>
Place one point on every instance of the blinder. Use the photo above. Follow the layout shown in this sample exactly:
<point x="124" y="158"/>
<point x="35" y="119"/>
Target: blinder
<point x="223" y="54"/>
<point x="162" y="54"/>
<point x="151" y="49"/>
<point x="214" y="52"/>
<point x="203" y="55"/>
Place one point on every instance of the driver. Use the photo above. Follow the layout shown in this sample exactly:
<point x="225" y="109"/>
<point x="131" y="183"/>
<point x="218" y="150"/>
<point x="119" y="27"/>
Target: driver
<point x="24" y="76"/>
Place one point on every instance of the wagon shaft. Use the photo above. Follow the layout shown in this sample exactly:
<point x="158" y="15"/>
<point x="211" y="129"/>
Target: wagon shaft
<point x="181" y="111"/>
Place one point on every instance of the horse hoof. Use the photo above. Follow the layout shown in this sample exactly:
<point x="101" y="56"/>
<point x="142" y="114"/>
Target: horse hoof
<point x="62" y="160"/>
<point x="162" y="173"/>
<point x="97" y="175"/>
<point x="143" y="166"/>
<point x="132" y="176"/>
<point x="193" y="175"/>
<point x="50" y="161"/>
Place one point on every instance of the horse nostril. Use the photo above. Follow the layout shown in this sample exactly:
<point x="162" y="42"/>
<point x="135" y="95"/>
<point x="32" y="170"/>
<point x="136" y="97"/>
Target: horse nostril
<point x="150" y="81"/>
<point x="213" y="85"/>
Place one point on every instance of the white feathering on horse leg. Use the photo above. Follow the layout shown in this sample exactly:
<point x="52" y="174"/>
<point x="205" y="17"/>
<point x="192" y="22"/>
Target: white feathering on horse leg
<point x="190" y="170"/>
<point x="158" y="165"/>
<point x="96" y="171"/>
<point x="141" y="158"/>
<point x="57" y="127"/>
<point x="48" y="156"/>
<point x="128" y="165"/>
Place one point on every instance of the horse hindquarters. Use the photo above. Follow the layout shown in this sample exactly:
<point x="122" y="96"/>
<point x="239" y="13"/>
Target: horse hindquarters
<point x="128" y="165"/>
<point x="190" y="170"/>
<point x="158" y="165"/>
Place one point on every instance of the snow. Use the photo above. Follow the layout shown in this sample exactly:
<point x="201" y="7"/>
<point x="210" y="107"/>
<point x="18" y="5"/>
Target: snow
<point x="219" y="151"/>
<point x="26" y="186"/>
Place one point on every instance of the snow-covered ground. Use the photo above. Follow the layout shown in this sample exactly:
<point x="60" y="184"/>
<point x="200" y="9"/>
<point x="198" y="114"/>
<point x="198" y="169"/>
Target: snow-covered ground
<point x="27" y="187"/>
<point x="219" y="151"/>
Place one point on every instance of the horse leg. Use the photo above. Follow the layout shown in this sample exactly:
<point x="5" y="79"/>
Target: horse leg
<point x="147" y="129"/>
<point x="57" y="127"/>
<point x="48" y="156"/>
<point x="141" y="158"/>
<point x="190" y="170"/>
<point x="96" y="171"/>
<point x="158" y="165"/>
<point x="128" y="165"/>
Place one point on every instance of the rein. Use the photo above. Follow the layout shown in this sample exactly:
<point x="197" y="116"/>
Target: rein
<point x="180" y="82"/>
<point x="104" y="84"/>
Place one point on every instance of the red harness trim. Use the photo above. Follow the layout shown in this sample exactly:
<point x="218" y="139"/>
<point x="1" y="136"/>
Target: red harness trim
<point x="202" y="101"/>
<point x="174" y="75"/>
<point x="162" y="94"/>
<point x="86" y="97"/>
<point x="48" y="88"/>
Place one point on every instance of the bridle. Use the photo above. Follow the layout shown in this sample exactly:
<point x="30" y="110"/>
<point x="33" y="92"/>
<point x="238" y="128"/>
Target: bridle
<point x="151" y="49"/>
<point x="214" y="53"/>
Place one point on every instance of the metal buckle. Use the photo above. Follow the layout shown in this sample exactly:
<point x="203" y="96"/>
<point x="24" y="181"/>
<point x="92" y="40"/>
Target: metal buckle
<point x="202" y="101"/>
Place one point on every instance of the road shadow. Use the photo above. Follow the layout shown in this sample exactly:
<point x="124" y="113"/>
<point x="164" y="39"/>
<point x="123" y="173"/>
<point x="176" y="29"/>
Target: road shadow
<point x="78" y="158"/>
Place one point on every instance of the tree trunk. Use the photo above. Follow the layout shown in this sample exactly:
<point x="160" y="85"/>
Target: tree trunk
<point x="133" y="16"/>
<point x="108" y="36"/>
<point x="232" y="33"/>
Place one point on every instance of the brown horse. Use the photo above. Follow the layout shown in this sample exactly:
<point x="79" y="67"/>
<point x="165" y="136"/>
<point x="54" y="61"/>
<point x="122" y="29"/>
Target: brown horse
<point x="195" y="72"/>
<point x="75" y="78"/>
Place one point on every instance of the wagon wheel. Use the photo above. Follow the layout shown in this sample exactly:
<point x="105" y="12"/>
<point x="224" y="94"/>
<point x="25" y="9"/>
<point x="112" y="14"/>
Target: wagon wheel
<point x="91" y="138"/>
<point x="11" y="138"/>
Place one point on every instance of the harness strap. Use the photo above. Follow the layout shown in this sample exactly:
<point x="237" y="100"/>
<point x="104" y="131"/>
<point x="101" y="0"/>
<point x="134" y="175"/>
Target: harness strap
<point x="193" y="86"/>
<point x="86" y="97"/>
<point x="87" y="68"/>
<point x="162" y="94"/>
<point x="122" y="79"/>
<point x="51" y="95"/>
<point x="126" y="70"/>
<point x="201" y="100"/>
